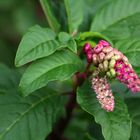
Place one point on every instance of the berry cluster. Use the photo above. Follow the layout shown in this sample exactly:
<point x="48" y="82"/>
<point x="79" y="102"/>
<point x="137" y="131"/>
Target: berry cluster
<point x="112" y="63"/>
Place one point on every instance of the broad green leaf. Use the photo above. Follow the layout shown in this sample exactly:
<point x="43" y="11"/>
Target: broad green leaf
<point x="36" y="43"/>
<point x="59" y="66"/>
<point x="130" y="27"/>
<point x="131" y="48"/>
<point x="134" y="110"/>
<point x="23" y="118"/>
<point x="30" y="118"/>
<point x="54" y="24"/>
<point x="68" y="41"/>
<point x="116" y="13"/>
<point x="8" y="78"/>
<point x="115" y="125"/>
<point x="75" y="14"/>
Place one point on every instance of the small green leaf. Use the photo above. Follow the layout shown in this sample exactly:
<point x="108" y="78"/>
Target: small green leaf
<point x="54" y="24"/>
<point x="115" y="125"/>
<point x="59" y="66"/>
<point x="64" y="37"/>
<point x="72" y="45"/>
<point x="131" y="48"/>
<point x="68" y="41"/>
<point x="75" y="14"/>
<point x="36" y="43"/>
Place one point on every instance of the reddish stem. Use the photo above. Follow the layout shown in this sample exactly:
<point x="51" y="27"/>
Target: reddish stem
<point x="57" y="133"/>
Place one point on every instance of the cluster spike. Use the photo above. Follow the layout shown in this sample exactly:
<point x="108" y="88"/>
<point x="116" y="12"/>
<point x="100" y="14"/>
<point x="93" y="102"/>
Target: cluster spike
<point x="104" y="93"/>
<point x="126" y="75"/>
<point x="110" y="63"/>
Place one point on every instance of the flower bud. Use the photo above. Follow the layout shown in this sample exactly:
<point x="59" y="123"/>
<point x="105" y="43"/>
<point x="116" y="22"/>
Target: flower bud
<point x="104" y="43"/>
<point x="112" y="63"/>
<point x="89" y="57"/>
<point x="105" y="64"/>
<point x="107" y="49"/>
<point x="98" y="48"/>
<point x="109" y="55"/>
<point x="95" y="59"/>
<point x="112" y="72"/>
<point x="87" y="48"/>
<point x="101" y="67"/>
<point x="101" y="56"/>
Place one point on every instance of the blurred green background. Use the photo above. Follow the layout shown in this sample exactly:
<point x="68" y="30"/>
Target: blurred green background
<point x="16" y="16"/>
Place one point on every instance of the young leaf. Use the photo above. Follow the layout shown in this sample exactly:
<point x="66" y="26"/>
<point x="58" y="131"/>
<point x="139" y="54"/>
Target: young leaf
<point x="131" y="48"/>
<point x="59" y="66"/>
<point x="68" y="41"/>
<point x="75" y="14"/>
<point x="54" y="24"/>
<point x="36" y="43"/>
<point x="28" y="118"/>
<point x="111" y="14"/>
<point x="115" y="125"/>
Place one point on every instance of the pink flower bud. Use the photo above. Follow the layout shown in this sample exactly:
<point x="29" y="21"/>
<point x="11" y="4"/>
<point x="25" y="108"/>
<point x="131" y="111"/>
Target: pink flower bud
<point x="104" y="43"/>
<point x="98" y="48"/>
<point x="89" y="57"/>
<point x="87" y="48"/>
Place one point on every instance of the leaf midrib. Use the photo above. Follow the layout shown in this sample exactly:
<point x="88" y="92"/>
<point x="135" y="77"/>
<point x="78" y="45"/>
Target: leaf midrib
<point x="52" y="69"/>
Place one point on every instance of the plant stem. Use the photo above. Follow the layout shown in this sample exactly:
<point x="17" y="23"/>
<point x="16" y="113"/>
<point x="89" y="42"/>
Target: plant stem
<point x="64" y="121"/>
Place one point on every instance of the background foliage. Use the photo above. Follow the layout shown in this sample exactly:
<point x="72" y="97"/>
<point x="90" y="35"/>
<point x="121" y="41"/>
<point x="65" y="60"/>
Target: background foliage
<point x="51" y="51"/>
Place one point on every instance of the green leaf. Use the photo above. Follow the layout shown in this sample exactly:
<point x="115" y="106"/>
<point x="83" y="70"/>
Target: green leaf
<point x="130" y="27"/>
<point x="134" y="110"/>
<point x="30" y="118"/>
<point x="72" y="45"/>
<point x="75" y="14"/>
<point x="54" y="24"/>
<point x="64" y="37"/>
<point x="36" y="43"/>
<point x="68" y="41"/>
<point x="9" y="79"/>
<point x="59" y="66"/>
<point x="113" y="20"/>
<point x="28" y="115"/>
<point x="131" y="48"/>
<point x="115" y="125"/>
